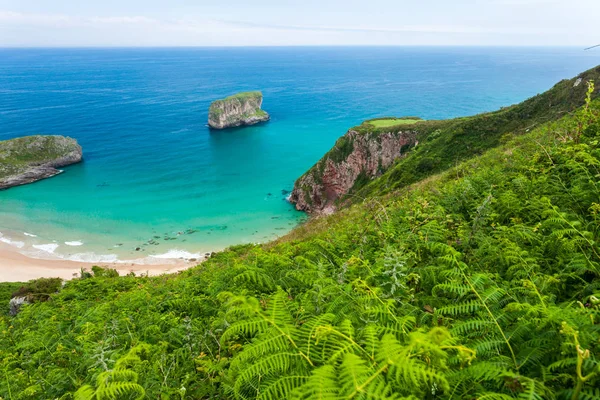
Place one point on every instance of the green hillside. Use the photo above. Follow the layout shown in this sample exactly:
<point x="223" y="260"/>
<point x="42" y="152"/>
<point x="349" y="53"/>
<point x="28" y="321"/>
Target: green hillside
<point x="480" y="282"/>
<point x="437" y="145"/>
<point x="445" y="143"/>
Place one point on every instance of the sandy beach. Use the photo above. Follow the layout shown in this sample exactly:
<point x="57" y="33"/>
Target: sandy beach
<point x="16" y="267"/>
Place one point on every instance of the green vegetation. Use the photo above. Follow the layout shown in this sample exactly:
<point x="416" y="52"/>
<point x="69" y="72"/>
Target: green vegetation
<point x="17" y="155"/>
<point x="242" y="97"/>
<point x="260" y="113"/>
<point x="481" y="282"/>
<point x="443" y="144"/>
<point x="238" y="109"/>
<point x="388" y="122"/>
<point x="246" y="95"/>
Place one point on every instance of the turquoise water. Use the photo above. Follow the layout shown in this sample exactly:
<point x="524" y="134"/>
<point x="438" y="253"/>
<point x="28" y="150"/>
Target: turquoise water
<point x="152" y="168"/>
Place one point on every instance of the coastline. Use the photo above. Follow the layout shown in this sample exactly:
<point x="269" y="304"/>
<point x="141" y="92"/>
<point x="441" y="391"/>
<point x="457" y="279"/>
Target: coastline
<point x="17" y="267"/>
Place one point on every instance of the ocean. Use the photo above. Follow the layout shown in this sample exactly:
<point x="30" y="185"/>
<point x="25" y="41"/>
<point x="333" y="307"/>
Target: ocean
<point x="157" y="183"/>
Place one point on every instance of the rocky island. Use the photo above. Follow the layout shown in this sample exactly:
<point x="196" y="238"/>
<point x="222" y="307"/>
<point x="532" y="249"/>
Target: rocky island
<point x="238" y="110"/>
<point x="31" y="158"/>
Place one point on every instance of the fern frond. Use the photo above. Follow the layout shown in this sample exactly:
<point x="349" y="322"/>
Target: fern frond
<point x="244" y="328"/>
<point x="355" y="375"/>
<point x="85" y="392"/>
<point x="118" y="390"/>
<point x="277" y="363"/>
<point x="468" y="307"/>
<point x="494" y="396"/>
<point x="282" y="388"/>
<point x="322" y="385"/>
<point x="472" y="325"/>
<point x="589" y="394"/>
<point x="257" y="277"/>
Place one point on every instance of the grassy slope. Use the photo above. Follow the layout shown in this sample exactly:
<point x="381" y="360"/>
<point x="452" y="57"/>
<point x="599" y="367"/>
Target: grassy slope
<point x="445" y="143"/>
<point x="389" y="122"/>
<point x="386" y="263"/>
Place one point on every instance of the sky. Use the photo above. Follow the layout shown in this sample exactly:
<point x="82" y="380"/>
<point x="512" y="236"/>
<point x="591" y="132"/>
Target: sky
<point x="78" y="23"/>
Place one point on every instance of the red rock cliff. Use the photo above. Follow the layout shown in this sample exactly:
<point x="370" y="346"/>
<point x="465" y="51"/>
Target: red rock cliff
<point x="356" y="156"/>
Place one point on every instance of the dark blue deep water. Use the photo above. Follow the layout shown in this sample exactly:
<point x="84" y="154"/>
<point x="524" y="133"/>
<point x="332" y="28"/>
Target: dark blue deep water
<point x="152" y="167"/>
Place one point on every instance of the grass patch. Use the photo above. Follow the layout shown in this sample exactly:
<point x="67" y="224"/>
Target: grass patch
<point x="386" y="122"/>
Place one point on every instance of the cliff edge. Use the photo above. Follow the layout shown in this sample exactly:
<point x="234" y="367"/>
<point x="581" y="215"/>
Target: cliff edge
<point x="31" y="158"/>
<point x="238" y="110"/>
<point x="362" y="154"/>
<point x="387" y="147"/>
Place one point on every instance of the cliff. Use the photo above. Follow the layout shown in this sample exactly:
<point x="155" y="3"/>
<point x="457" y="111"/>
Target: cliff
<point x="379" y="147"/>
<point x="359" y="155"/>
<point x="237" y="110"/>
<point x="31" y="158"/>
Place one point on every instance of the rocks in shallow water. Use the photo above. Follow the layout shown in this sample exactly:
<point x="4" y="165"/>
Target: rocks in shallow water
<point x="31" y="158"/>
<point x="238" y="110"/>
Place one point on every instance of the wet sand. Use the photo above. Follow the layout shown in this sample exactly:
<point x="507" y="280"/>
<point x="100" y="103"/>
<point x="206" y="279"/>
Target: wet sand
<point x="16" y="267"/>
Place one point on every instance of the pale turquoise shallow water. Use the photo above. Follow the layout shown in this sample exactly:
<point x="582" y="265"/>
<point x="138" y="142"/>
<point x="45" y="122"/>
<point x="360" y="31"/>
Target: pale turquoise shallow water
<point x="152" y="168"/>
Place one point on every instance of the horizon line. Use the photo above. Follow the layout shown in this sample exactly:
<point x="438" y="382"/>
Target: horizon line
<point x="582" y="46"/>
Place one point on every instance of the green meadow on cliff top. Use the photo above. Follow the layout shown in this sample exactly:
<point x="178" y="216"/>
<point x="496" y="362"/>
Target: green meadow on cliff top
<point x="477" y="279"/>
<point x="387" y="122"/>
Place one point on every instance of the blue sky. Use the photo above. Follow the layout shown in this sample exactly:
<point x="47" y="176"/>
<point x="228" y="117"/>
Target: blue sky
<point x="307" y="22"/>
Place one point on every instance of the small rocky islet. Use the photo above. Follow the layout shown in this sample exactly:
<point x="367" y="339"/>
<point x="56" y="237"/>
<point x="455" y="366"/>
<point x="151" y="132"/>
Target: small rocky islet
<point x="241" y="109"/>
<point x="30" y="158"/>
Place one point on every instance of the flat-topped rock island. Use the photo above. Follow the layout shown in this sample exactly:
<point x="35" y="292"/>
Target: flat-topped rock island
<point x="31" y="158"/>
<point x="241" y="109"/>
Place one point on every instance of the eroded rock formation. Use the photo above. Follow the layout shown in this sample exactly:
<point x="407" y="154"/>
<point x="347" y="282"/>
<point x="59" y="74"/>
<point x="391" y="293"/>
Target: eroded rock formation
<point x="31" y="158"/>
<point x="237" y="110"/>
<point x="356" y="156"/>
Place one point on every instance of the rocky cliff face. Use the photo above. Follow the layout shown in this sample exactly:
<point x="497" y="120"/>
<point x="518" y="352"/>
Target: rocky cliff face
<point x="356" y="157"/>
<point x="31" y="158"/>
<point x="238" y="110"/>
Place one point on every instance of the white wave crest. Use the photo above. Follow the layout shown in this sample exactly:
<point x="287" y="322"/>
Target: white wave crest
<point x="174" y="253"/>
<point x="93" y="258"/>
<point x="14" y="243"/>
<point x="74" y="243"/>
<point x="48" y="248"/>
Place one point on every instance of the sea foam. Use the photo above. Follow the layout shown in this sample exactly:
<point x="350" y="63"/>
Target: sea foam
<point x="48" y="248"/>
<point x="93" y="258"/>
<point x="174" y="253"/>
<point x="74" y="243"/>
<point x="14" y="243"/>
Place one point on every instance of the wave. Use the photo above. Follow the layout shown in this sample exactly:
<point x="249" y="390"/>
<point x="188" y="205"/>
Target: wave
<point x="167" y="258"/>
<point x="48" y="248"/>
<point x="14" y="243"/>
<point x="176" y="254"/>
<point x="51" y="251"/>
<point x="93" y="258"/>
